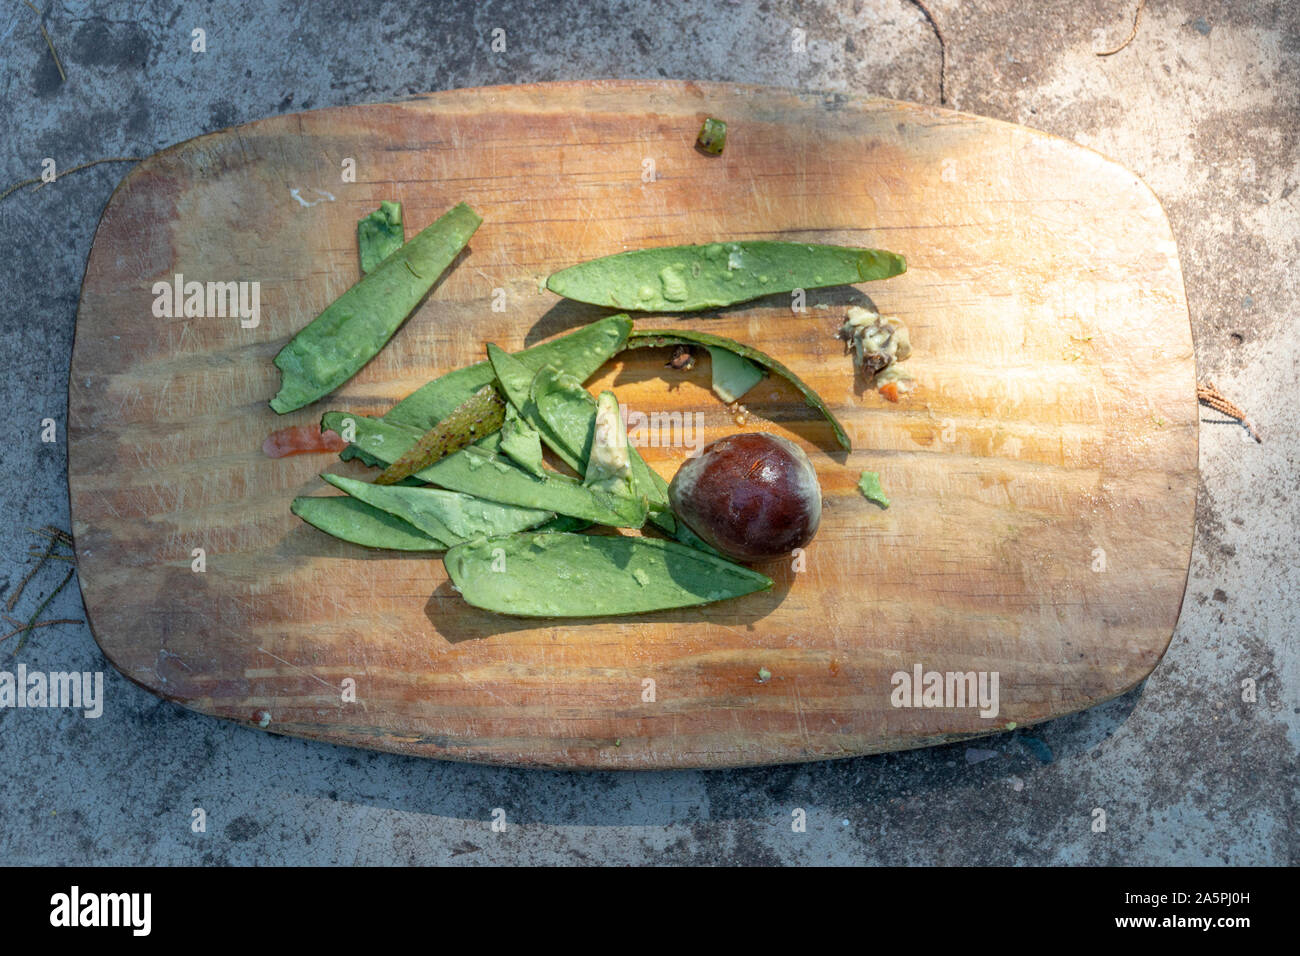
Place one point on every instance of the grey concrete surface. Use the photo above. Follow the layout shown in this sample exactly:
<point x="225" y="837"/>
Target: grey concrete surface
<point x="1203" y="105"/>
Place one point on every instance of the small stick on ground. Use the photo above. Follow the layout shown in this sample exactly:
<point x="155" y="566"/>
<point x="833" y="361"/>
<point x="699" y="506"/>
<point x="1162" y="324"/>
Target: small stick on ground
<point x="48" y="42"/>
<point x="943" y="49"/>
<point x="64" y="536"/>
<point x="42" y="183"/>
<point x="55" y="534"/>
<point x="26" y="630"/>
<point x="32" y="627"/>
<point x="1209" y="395"/>
<point x="17" y="186"/>
<point x="1137" y="18"/>
<point x="93" y="162"/>
<point x="18" y="592"/>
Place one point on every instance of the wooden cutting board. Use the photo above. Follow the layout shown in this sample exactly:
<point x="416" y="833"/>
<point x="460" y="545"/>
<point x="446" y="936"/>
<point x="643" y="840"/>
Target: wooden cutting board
<point x="1043" y="472"/>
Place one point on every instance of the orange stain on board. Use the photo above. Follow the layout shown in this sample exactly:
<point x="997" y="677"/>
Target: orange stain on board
<point x="301" y="439"/>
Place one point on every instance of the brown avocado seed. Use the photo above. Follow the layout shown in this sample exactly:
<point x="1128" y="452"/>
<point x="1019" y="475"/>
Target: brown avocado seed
<point x="752" y="496"/>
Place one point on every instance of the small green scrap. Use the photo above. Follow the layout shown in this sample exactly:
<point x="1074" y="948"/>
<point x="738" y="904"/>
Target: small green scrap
<point x="713" y="136"/>
<point x="869" y="485"/>
<point x="380" y="234"/>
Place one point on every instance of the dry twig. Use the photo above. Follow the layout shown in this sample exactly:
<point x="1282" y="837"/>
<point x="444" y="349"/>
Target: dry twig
<point x="18" y="592"/>
<point x="32" y="627"/>
<point x="41" y="183"/>
<point x="1137" y="18"/>
<point x="943" y="49"/>
<point x="55" y="534"/>
<point x="17" y="186"/>
<point x="57" y="537"/>
<point x="50" y="43"/>
<point x="32" y="621"/>
<point x="1209" y="395"/>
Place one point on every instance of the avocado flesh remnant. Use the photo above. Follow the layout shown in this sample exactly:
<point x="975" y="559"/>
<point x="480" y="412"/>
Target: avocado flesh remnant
<point x="733" y="376"/>
<point x="608" y="466"/>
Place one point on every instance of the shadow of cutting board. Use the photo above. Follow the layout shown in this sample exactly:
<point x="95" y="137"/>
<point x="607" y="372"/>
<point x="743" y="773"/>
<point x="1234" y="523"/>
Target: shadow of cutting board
<point x="1043" y="473"/>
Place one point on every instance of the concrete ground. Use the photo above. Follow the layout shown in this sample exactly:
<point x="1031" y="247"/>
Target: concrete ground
<point x="1202" y="104"/>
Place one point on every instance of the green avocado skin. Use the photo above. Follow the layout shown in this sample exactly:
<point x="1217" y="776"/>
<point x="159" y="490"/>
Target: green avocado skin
<point x="691" y="278"/>
<point x="568" y="412"/>
<point x="581" y="352"/>
<point x="713" y="136"/>
<point x="449" y="516"/>
<point x="577" y="575"/>
<point x="567" y="409"/>
<point x="657" y="338"/>
<point x="482" y="473"/>
<point x="357" y="522"/>
<point x="354" y="327"/>
<point x="515" y="379"/>
<point x="521" y="443"/>
<point x="564" y="414"/>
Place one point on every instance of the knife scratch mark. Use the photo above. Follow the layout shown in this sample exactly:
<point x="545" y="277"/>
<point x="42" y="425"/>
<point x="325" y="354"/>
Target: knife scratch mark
<point x="301" y="670"/>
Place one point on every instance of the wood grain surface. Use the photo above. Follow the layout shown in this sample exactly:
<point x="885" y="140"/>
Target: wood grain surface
<point x="1043" y="472"/>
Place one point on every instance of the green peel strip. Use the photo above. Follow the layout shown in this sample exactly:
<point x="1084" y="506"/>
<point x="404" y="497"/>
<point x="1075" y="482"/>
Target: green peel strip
<point x="575" y="575"/>
<point x="691" y="278"/>
<point x="359" y="523"/>
<point x="354" y="327"/>
<point x="654" y="338"/>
